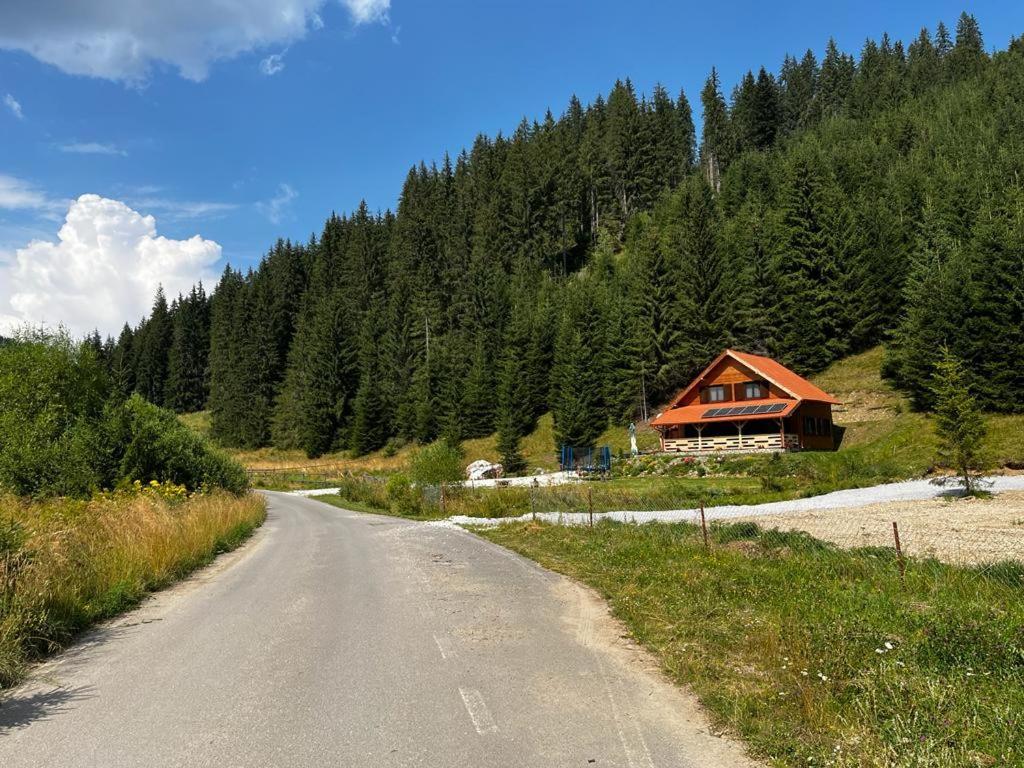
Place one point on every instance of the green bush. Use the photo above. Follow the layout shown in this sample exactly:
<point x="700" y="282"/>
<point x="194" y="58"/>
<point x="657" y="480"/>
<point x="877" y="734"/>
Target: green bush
<point x="155" y="445"/>
<point x="66" y="432"/>
<point x="440" y="462"/>
<point x="404" y="499"/>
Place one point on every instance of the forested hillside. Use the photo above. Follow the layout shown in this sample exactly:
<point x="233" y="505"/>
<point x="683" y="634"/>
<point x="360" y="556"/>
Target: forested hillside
<point x="589" y="264"/>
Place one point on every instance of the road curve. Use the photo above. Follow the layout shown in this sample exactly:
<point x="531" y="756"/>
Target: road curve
<point x="341" y="639"/>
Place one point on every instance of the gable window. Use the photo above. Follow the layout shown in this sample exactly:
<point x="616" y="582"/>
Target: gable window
<point x="754" y="390"/>
<point x="715" y="394"/>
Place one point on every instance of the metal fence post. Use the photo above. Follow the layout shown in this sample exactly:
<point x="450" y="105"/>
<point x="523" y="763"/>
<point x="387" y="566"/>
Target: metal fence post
<point x="590" y="505"/>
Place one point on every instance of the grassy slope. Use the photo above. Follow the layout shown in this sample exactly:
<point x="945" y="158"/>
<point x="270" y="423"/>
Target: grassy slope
<point x="784" y="639"/>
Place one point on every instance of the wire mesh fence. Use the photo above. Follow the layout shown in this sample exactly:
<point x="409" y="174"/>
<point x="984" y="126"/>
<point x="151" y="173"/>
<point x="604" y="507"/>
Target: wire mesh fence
<point x="943" y="539"/>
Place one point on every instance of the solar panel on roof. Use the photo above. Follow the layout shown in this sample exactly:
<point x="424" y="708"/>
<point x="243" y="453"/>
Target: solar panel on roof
<point x="743" y="410"/>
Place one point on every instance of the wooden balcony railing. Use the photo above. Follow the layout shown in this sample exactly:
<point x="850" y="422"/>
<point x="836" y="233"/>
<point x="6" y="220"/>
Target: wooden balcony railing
<point x="732" y="444"/>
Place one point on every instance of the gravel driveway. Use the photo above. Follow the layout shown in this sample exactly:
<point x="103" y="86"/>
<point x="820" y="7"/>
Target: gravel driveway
<point x="909" y="490"/>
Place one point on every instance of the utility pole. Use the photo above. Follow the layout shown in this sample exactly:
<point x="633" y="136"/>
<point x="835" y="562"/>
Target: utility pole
<point x="643" y="395"/>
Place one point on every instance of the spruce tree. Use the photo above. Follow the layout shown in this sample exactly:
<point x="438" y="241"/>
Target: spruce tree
<point x="716" y="138"/>
<point x="958" y="421"/>
<point x="368" y="431"/>
<point x="152" y="347"/>
<point x="968" y="54"/>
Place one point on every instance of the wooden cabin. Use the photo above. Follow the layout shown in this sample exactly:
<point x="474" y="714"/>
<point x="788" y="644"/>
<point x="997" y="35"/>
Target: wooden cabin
<point x="745" y="403"/>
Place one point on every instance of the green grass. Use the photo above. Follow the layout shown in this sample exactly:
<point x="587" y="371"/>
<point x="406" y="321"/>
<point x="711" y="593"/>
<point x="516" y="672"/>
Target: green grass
<point x="777" y="634"/>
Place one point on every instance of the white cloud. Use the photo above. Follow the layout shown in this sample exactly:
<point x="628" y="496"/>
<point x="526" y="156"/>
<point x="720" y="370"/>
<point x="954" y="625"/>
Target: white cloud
<point x="179" y="210"/>
<point x="123" y="39"/>
<point x="102" y="271"/>
<point x="367" y="11"/>
<point x="276" y="207"/>
<point x="273" y="64"/>
<point x="15" y="106"/>
<point x="20" y="195"/>
<point x="92" y="148"/>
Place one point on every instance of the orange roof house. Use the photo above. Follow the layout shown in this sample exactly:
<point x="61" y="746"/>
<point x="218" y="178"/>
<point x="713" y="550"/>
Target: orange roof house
<point x="747" y="403"/>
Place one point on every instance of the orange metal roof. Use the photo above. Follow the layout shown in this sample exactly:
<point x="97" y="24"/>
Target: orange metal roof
<point x="694" y="414"/>
<point x="784" y="378"/>
<point x="776" y="373"/>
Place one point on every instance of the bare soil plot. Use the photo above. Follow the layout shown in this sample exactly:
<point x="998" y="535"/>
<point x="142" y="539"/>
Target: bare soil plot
<point x="959" y="531"/>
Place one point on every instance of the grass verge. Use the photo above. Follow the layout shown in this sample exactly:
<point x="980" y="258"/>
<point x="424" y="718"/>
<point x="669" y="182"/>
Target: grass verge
<point x="814" y="655"/>
<point x="370" y="494"/>
<point x="66" y="564"/>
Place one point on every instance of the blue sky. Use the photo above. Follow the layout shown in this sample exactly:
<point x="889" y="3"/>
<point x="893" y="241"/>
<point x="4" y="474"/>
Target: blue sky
<point x="191" y="128"/>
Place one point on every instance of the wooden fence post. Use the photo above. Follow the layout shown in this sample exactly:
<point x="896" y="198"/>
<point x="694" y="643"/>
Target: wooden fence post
<point x="704" y="525"/>
<point x="901" y="562"/>
<point x="590" y="505"/>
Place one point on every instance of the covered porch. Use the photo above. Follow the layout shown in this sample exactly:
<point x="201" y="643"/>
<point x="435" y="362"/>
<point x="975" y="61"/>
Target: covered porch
<point x="740" y="436"/>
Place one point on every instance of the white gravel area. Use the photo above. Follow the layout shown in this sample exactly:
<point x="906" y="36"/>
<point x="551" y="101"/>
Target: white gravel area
<point x="909" y="490"/>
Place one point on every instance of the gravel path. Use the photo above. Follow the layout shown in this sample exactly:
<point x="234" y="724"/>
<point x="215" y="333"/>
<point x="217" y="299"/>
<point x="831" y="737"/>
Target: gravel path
<point x="909" y="490"/>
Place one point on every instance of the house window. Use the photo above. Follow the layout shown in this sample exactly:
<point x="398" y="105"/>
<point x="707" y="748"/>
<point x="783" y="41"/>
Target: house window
<point x="715" y="394"/>
<point x="809" y="425"/>
<point x="753" y="390"/>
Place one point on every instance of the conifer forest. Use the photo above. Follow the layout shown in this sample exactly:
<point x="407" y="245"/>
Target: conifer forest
<point x="592" y="261"/>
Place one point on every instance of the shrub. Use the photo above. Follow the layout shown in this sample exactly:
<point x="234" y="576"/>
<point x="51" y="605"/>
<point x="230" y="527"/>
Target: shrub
<point x="66" y="432"/>
<point x="52" y="395"/>
<point x="157" y="446"/>
<point x="403" y="498"/>
<point x="438" y="463"/>
<point x="769" y="472"/>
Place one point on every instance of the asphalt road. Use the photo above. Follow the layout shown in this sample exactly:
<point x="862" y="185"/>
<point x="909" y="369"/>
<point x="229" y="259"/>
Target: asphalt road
<point x="341" y="639"/>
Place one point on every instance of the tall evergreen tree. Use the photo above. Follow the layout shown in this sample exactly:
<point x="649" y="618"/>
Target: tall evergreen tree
<point x="152" y="345"/>
<point x="716" y="139"/>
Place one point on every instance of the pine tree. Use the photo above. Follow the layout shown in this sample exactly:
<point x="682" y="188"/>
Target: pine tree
<point x="578" y="416"/>
<point x="968" y="54"/>
<point x="121" y="363"/>
<point x="716" y="139"/>
<point x="924" y="66"/>
<point x="315" y="403"/>
<point x="226" y="385"/>
<point x="958" y="421"/>
<point x="809" y="247"/>
<point x="940" y="300"/>
<point x="705" y="289"/>
<point x="798" y="84"/>
<point x="152" y="347"/>
<point x="187" y="383"/>
<point x="834" y="82"/>
<point x="368" y="431"/>
<point x="513" y="418"/>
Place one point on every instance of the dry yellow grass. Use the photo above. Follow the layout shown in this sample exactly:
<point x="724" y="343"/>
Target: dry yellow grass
<point x="65" y="564"/>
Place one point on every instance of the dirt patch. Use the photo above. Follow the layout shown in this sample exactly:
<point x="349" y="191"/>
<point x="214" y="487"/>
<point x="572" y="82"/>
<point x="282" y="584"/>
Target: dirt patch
<point x="958" y="531"/>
